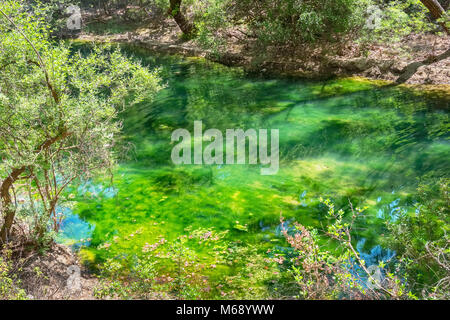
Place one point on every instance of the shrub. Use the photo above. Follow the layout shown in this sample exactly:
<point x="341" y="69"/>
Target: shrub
<point x="422" y="239"/>
<point x="9" y="284"/>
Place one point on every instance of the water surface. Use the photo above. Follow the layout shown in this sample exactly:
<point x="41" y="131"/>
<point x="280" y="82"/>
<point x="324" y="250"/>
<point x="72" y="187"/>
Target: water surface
<point x="348" y="140"/>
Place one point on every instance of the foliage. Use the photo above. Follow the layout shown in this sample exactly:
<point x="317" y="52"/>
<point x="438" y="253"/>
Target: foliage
<point x="9" y="285"/>
<point x="276" y="22"/>
<point x="54" y="13"/>
<point x="58" y="111"/>
<point x="422" y="238"/>
<point x="211" y="19"/>
<point x="342" y="273"/>
<point x="281" y="22"/>
<point x="399" y="19"/>
<point x="295" y="21"/>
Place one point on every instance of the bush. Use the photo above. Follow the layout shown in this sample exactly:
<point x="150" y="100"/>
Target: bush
<point x="9" y="284"/>
<point x="293" y="22"/>
<point x="60" y="108"/>
<point x="401" y="18"/>
<point x="422" y="238"/>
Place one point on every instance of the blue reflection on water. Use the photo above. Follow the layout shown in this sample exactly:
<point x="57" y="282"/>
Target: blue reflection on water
<point x="371" y="258"/>
<point x="392" y="210"/>
<point x="302" y="199"/>
<point x="375" y="255"/>
<point x="74" y="231"/>
<point x="96" y="190"/>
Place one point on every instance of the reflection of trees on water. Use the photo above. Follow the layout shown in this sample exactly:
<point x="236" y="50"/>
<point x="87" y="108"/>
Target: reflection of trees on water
<point x="396" y="135"/>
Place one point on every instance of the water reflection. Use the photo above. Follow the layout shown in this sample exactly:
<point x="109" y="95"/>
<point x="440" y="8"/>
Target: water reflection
<point x="74" y="231"/>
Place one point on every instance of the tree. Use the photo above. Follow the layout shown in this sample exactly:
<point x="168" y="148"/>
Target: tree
<point x="58" y="112"/>
<point x="185" y="25"/>
<point x="436" y="10"/>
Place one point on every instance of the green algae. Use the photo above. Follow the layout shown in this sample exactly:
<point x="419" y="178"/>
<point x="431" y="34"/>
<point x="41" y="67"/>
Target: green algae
<point x="347" y="139"/>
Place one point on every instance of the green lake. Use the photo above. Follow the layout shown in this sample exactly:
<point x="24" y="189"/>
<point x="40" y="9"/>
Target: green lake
<point x="348" y="140"/>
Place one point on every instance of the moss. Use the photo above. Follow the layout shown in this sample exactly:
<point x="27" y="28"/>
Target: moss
<point x="343" y="86"/>
<point x="439" y="92"/>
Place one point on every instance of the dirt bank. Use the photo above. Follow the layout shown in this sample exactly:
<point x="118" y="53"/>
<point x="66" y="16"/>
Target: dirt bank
<point x="53" y="274"/>
<point x="427" y="55"/>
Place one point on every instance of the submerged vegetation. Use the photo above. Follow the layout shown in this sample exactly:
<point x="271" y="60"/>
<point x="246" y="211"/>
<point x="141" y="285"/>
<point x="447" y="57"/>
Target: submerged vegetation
<point x="345" y="139"/>
<point x="358" y="210"/>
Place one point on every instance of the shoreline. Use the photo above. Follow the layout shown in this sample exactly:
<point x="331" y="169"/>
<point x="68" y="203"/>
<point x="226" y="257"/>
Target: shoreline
<point x="267" y="68"/>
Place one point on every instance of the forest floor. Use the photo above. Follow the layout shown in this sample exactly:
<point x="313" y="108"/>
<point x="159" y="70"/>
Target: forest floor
<point x="56" y="274"/>
<point x="429" y="54"/>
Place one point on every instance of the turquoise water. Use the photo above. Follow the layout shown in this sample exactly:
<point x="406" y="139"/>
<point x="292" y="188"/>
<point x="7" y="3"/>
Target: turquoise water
<point x="349" y="140"/>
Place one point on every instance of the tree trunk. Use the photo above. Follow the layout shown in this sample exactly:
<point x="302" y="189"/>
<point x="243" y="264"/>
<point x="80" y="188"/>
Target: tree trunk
<point x="186" y="26"/>
<point x="5" y="197"/>
<point x="7" y="204"/>
<point x="436" y="10"/>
